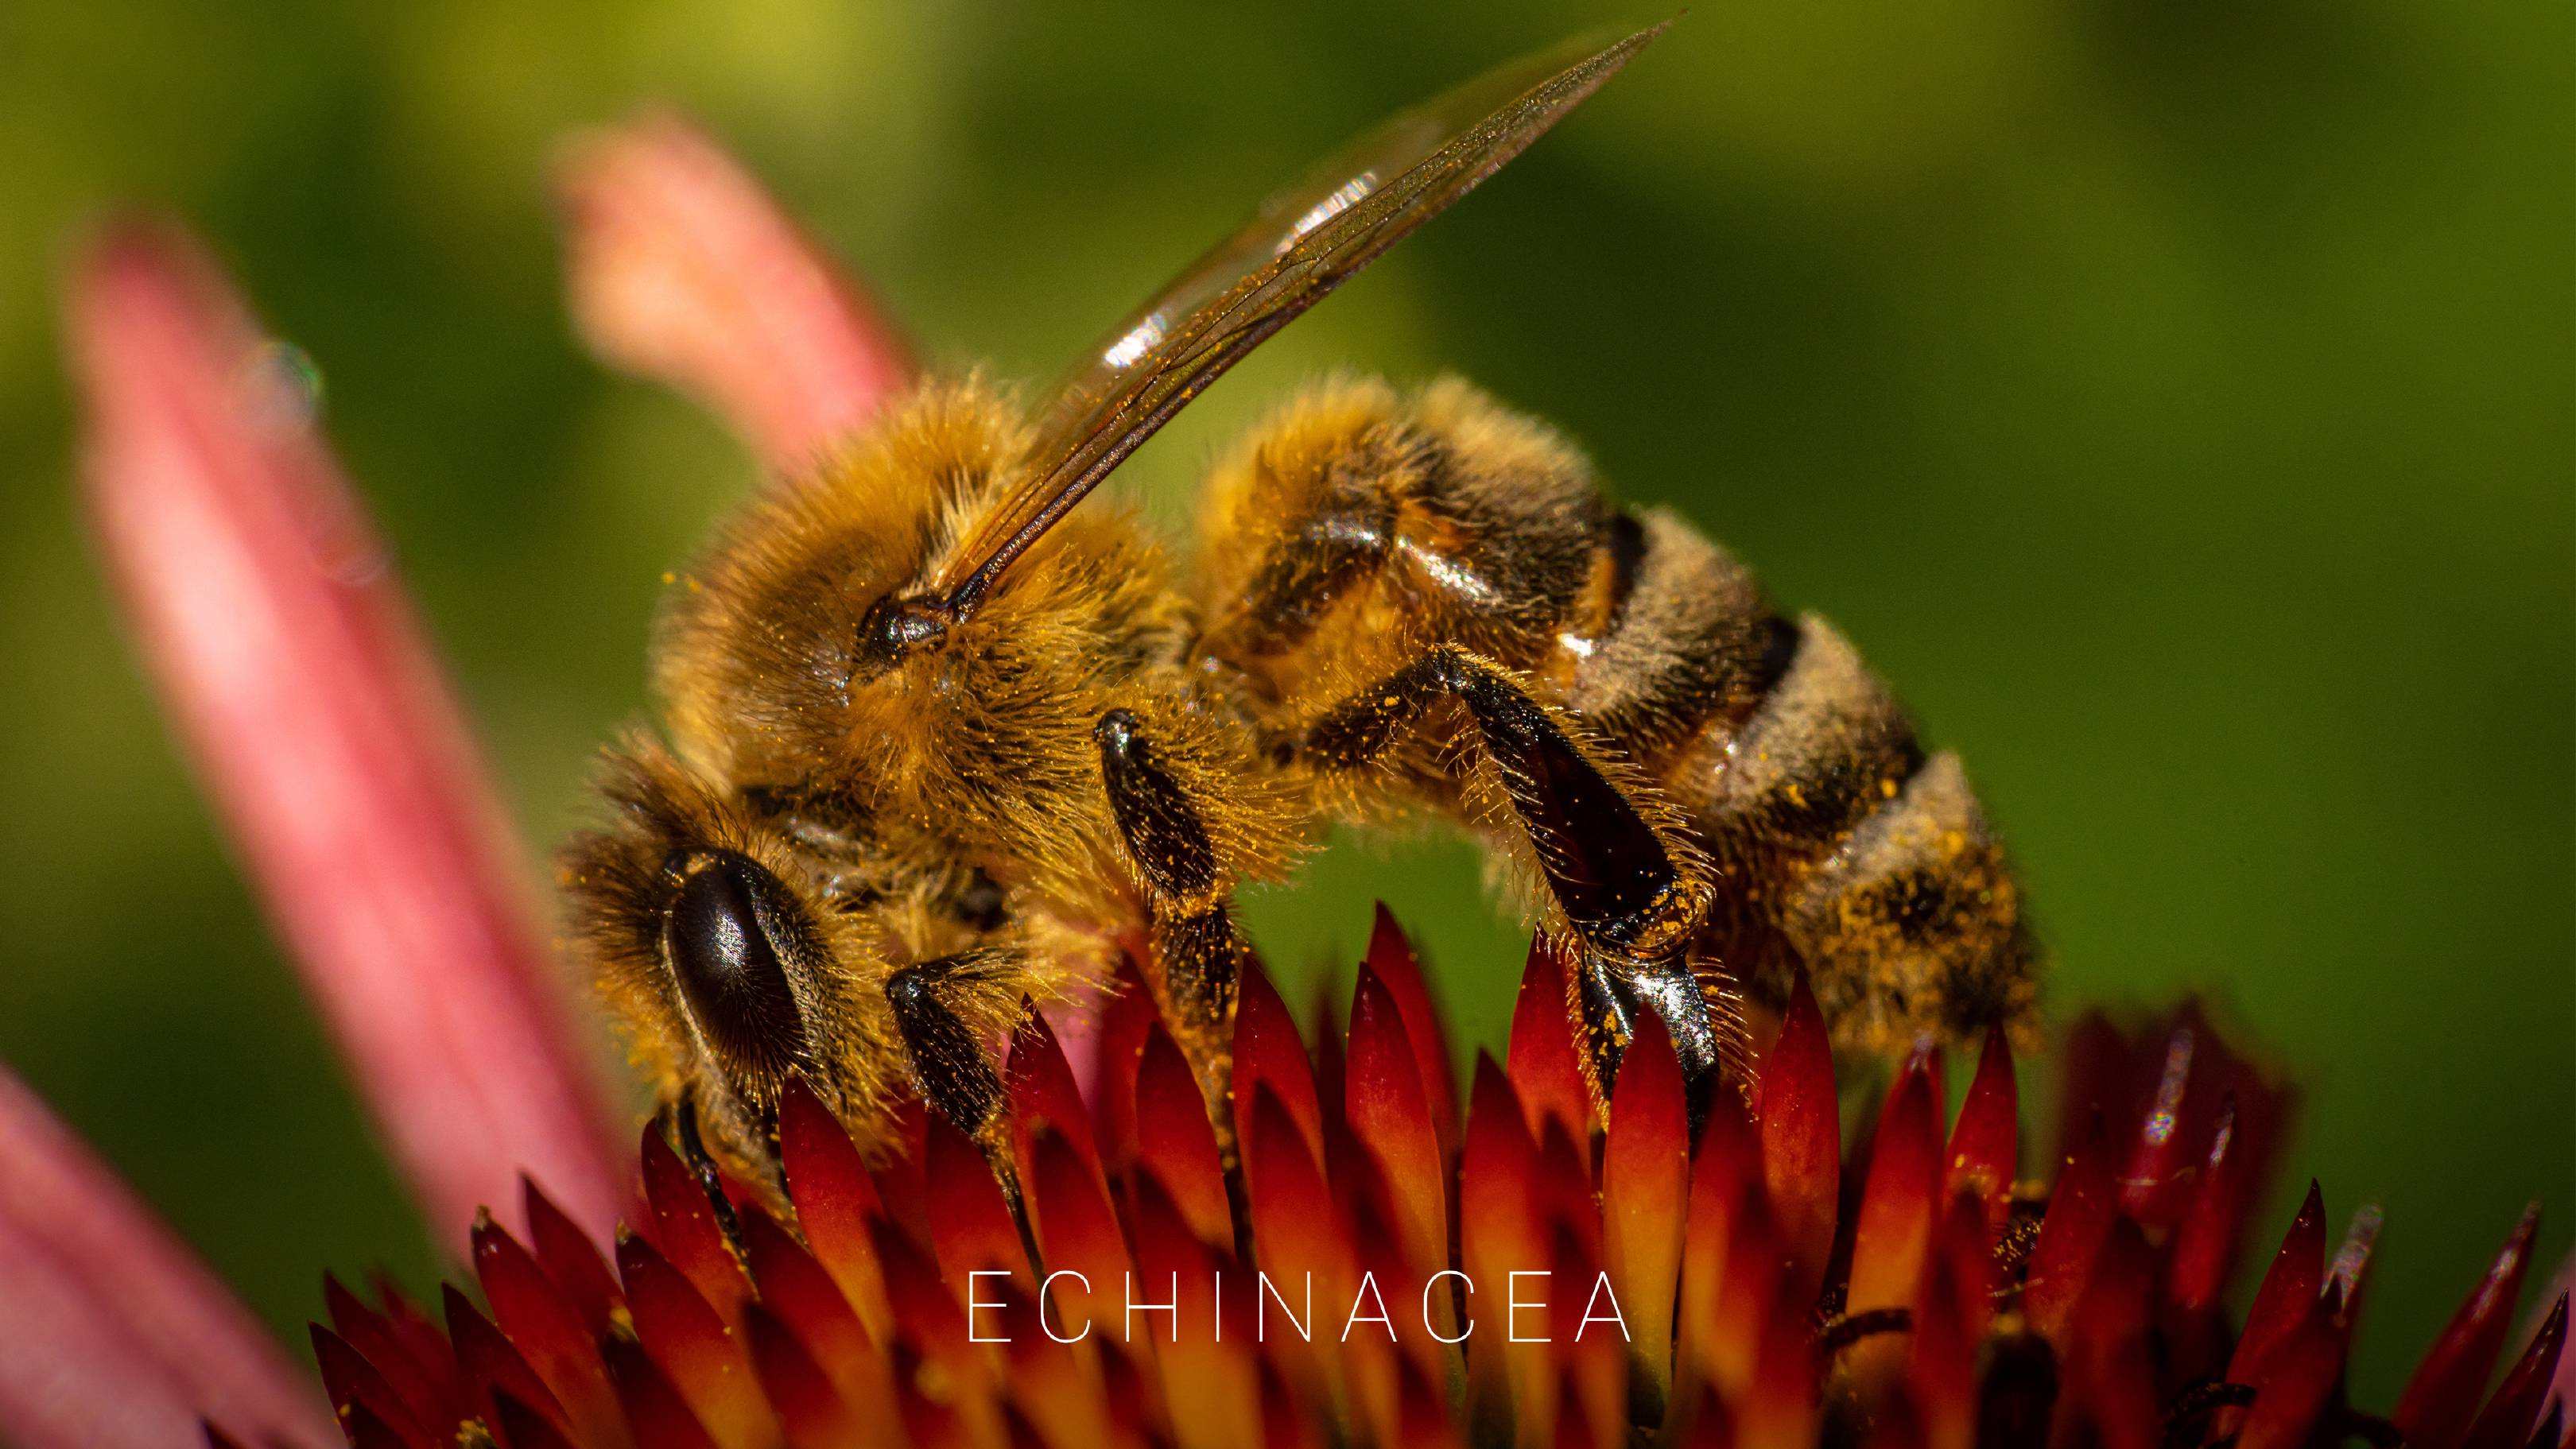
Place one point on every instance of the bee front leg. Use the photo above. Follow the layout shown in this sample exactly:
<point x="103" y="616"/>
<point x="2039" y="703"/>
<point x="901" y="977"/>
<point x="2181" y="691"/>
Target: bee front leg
<point x="952" y="1071"/>
<point x="1199" y="948"/>
<point x="1626" y="893"/>
<point x="948" y="1064"/>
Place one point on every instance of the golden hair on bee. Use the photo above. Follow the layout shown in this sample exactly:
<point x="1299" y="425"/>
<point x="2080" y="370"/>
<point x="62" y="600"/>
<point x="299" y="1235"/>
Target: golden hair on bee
<point x="943" y="740"/>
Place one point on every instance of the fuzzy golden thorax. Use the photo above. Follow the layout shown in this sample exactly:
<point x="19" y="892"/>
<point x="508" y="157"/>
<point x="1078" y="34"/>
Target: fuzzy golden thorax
<point x="979" y="742"/>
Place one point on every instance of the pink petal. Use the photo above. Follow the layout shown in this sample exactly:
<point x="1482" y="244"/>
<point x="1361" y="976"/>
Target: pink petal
<point x="117" y="1335"/>
<point x="681" y="269"/>
<point x="321" y="725"/>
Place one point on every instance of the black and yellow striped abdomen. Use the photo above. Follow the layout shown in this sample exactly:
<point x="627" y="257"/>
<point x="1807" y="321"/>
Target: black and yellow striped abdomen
<point x="1358" y="529"/>
<point x="1838" y="842"/>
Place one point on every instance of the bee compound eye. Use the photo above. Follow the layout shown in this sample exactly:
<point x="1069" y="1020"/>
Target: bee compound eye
<point x="727" y="936"/>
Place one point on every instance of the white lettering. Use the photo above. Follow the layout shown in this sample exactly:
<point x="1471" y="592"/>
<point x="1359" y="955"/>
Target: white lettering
<point x="1512" y="1306"/>
<point x="1261" y="1322"/>
<point x="1133" y="1308"/>
<point x="1431" y="1325"/>
<point x="1600" y="1287"/>
<point x="973" y="1303"/>
<point x="1047" y="1289"/>
<point x="1368" y="1289"/>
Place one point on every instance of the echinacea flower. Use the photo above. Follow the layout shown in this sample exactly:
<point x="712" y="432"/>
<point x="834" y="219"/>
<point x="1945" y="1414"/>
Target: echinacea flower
<point x="1379" y="1266"/>
<point x="1340" y="1250"/>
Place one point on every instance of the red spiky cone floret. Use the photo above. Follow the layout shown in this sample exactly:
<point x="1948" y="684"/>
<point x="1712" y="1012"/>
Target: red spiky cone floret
<point x="1340" y="1254"/>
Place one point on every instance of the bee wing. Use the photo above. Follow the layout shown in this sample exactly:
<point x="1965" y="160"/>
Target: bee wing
<point x="1302" y="243"/>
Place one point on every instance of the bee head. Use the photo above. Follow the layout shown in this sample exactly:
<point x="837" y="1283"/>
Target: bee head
<point x="703" y="939"/>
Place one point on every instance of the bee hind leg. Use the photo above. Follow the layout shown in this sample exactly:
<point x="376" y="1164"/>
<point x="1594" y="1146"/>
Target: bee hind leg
<point x="1200" y="950"/>
<point x="1628" y="896"/>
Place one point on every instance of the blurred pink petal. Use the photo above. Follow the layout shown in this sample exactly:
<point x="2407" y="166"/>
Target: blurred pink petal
<point x="116" y="1334"/>
<point x="320" y="724"/>
<point x="682" y="269"/>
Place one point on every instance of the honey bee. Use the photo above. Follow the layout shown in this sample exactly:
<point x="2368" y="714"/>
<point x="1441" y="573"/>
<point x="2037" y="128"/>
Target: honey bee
<point x="941" y="742"/>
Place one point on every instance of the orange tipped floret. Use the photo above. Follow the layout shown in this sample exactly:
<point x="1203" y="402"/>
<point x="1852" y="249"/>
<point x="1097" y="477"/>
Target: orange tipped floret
<point x="1270" y="1060"/>
<point x="654" y="1410"/>
<point x="2080" y="1216"/>
<point x="546" y="1331"/>
<point x="1175" y="1145"/>
<point x="493" y="1370"/>
<point x="794" y="1287"/>
<point x="835" y="1202"/>
<point x="1985" y="1143"/>
<point x="1387" y="1113"/>
<point x="1545" y="1061"/>
<point x="571" y="1261"/>
<point x="1800" y="1119"/>
<point x="1399" y="968"/>
<point x="971" y="1229"/>
<point x="1900" y="1201"/>
<point x="1077" y="1230"/>
<point x="1497" y="1230"/>
<point x="1645" y="1195"/>
<point x="691" y="1345"/>
<point x="685" y="1228"/>
<point x="1203" y="1343"/>
<point x="1725" y="1172"/>
<point x="1043" y="1093"/>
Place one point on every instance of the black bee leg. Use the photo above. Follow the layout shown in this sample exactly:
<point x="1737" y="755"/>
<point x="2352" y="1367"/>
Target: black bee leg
<point x="1200" y="950"/>
<point x="955" y="1076"/>
<point x="1627" y="899"/>
<point x="680" y="1125"/>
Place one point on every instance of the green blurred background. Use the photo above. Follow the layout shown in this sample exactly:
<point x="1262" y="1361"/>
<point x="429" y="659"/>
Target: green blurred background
<point x="2174" y="399"/>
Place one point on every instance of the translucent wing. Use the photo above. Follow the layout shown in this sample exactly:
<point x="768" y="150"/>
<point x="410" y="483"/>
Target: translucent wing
<point x="1303" y="242"/>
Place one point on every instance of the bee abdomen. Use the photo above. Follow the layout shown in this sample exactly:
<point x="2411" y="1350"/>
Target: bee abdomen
<point x="1677" y="638"/>
<point x="1913" y="924"/>
<point x="1842" y="847"/>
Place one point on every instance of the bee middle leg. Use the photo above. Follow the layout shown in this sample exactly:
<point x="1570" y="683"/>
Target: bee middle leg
<point x="1200" y="950"/>
<point x="1627" y="895"/>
